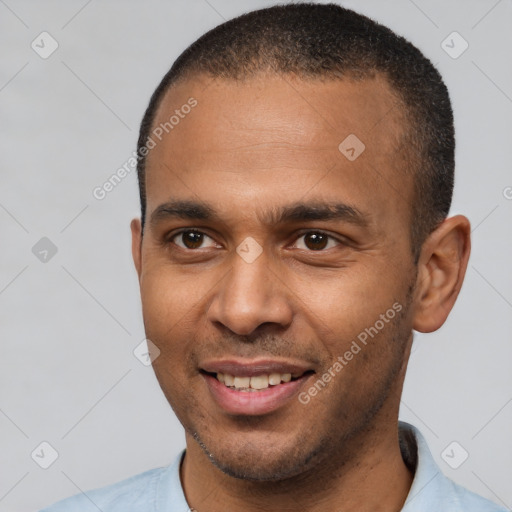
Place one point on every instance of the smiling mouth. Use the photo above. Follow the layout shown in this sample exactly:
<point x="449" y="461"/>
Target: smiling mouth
<point x="257" y="382"/>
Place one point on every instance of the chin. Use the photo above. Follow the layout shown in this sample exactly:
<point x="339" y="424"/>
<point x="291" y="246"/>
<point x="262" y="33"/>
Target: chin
<point x="254" y="462"/>
<point x="265" y="471"/>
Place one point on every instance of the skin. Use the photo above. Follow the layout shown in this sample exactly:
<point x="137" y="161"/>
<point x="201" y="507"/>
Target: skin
<point x="248" y="148"/>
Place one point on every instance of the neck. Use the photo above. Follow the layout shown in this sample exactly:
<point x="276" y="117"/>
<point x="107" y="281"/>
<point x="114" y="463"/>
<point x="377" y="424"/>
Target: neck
<point x="372" y="477"/>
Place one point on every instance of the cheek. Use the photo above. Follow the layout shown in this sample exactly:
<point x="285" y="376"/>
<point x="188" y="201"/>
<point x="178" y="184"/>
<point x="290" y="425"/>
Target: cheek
<point x="359" y="321"/>
<point x="166" y="309"/>
<point x="170" y="297"/>
<point x="350" y="301"/>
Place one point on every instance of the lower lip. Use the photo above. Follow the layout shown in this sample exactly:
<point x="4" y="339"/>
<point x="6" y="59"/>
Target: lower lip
<point x="253" y="403"/>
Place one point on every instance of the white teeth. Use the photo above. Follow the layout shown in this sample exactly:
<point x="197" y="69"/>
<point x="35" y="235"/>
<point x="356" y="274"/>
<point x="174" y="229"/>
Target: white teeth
<point x="274" y="379"/>
<point x="254" y="383"/>
<point x="242" y="382"/>
<point x="259" y="382"/>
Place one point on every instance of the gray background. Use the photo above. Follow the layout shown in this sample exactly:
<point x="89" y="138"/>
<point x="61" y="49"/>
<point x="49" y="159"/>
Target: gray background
<point x="69" y="325"/>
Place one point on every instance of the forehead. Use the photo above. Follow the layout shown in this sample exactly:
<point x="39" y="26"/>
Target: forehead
<point x="305" y="111"/>
<point x="276" y="137"/>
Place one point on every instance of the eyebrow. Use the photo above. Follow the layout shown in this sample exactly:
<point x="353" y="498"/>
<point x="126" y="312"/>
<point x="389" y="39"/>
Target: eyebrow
<point x="294" y="212"/>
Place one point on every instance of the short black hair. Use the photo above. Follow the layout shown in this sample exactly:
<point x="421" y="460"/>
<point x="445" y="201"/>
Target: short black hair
<point x="328" y="41"/>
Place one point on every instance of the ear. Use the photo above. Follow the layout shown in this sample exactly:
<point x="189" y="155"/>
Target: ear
<point x="441" y="269"/>
<point x="135" y="226"/>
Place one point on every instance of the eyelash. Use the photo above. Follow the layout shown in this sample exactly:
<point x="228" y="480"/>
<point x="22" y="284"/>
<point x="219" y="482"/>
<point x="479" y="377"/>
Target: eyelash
<point x="171" y="238"/>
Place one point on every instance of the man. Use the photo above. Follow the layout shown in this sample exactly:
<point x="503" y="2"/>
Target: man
<point x="295" y="172"/>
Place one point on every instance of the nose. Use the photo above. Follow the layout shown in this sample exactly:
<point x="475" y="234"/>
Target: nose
<point x="251" y="294"/>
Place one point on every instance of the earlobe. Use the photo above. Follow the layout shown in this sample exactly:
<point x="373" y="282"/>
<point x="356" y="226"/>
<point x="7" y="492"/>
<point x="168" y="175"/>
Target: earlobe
<point x="441" y="270"/>
<point x="135" y="227"/>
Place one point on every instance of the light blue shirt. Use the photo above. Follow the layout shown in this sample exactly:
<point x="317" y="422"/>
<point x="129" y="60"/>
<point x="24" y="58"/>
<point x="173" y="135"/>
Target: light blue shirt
<point x="159" y="490"/>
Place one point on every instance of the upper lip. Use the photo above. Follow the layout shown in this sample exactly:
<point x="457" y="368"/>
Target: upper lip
<point x="253" y="367"/>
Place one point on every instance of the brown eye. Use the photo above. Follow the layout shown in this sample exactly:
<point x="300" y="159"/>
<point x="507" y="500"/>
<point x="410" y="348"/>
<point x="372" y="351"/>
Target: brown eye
<point x="316" y="241"/>
<point x="190" y="239"/>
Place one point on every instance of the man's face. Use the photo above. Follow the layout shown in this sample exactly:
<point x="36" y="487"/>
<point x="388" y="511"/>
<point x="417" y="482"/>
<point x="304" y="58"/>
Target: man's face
<point x="258" y="293"/>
